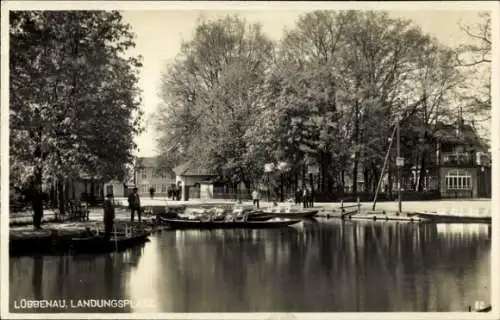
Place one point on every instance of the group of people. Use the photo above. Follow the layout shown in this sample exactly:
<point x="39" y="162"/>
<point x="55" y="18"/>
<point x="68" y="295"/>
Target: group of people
<point x="134" y="204"/>
<point x="305" y="196"/>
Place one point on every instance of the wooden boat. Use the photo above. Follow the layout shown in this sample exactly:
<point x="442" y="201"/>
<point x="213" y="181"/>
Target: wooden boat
<point x="229" y="224"/>
<point x="259" y="216"/>
<point x="118" y="241"/>
<point x="485" y="309"/>
<point x="43" y="243"/>
<point x="292" y="214"/>
<point x="450" y="218"/>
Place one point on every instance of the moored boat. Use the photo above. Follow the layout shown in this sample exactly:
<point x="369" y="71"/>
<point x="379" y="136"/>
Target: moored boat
<point x="117" y="242"/>
<point x="229" y="223"/>
<point x="451" y="218"/>
<point x="40" y="243"/>
<point x="259" y="216"/>
<point x="291" y="213"/>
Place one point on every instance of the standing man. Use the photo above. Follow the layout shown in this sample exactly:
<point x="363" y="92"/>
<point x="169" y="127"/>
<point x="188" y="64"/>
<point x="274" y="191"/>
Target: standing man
<point x="134" y="203"/>
<point x="304" y="197"/>
<point x="256" y="197"/>
<point x="109" y="216"/>
<point x="297" y="196"/>
<point x="310" y="196"/>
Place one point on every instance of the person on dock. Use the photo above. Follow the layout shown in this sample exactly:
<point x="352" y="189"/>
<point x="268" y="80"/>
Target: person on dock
<point x="297" y="196"/>
<point x="134" y="203"/>
<point x="310" y="197"/>
<point x="109" y="216"/>
<point x="256" y="197"/>
<point x="305" y="197"/>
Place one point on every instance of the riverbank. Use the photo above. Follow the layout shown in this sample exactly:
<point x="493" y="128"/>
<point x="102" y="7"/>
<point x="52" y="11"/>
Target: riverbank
<point x="371" y="215"/>
<point x="455" y="206"/>
<point x="55" y="236"/>
<point x="21" y="230"/>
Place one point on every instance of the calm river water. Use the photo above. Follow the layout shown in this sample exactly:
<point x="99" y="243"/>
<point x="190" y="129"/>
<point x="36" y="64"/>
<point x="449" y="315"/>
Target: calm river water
<point x="323" y="266"/>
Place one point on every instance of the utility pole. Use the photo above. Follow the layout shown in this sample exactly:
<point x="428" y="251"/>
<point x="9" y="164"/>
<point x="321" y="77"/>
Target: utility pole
<point x="391" y="139"/>
<point x="399" y="163"/>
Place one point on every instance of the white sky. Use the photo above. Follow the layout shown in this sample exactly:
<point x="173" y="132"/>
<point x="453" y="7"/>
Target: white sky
<point x="159" y="35"/>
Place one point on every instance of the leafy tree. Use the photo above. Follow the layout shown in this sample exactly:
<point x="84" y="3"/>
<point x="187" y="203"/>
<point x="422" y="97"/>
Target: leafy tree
<point x="207" y="92"/>
<point x="338" y="87"/>
<point x="74" y="97"/>
<point x="330" y="96"/>
<point x="474" y="60"/>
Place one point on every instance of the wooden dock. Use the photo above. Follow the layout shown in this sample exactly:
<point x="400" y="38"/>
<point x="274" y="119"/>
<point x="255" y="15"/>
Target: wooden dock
<point x="370" y="215"/>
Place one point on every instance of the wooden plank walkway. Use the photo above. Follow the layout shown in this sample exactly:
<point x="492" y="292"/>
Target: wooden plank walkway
<point x="370" y="215"/>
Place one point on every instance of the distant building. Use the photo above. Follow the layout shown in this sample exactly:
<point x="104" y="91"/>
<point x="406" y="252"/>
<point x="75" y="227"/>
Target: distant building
<point x="457" y="165"/>
<point x="149" y="173"/>
<point x="195" y="181"/>
<point x="464" y="162"/>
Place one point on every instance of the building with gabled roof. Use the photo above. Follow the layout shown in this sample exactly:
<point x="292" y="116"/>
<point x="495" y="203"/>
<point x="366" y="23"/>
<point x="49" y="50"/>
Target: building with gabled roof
<point x="194" y="180"/>
<point x="150" y="173"/>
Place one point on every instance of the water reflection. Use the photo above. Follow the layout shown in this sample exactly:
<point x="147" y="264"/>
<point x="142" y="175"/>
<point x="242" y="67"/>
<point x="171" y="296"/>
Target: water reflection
<point x="325" y="266"/>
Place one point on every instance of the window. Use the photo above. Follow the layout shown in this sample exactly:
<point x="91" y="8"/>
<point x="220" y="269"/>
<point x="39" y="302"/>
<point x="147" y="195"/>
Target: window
<point x="458" y="158"/>
<point x="144" y="188"/>
<point x="164" y="188"/>
<point x="458" y="180"/>
<point x="143" y="173"/>
<point x="164" y="174"/>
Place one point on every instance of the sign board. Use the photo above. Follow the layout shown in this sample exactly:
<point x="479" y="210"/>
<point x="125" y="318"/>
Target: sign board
<point x="400" y="162"/>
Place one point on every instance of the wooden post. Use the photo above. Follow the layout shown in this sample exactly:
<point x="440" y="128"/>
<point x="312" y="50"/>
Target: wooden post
<point x="359" y="205"/>
<point x="116" y="238"/>
<point x="383" y="168"/>
<point x="398" y="147"/>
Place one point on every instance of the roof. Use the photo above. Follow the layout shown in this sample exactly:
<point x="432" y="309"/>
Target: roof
<point x="190" y="169"/>
<point x="448" y="133"/>
<point x="147" y="162"/>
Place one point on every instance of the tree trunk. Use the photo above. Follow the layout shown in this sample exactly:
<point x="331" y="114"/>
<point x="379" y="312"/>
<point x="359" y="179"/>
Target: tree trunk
<point x="281" y="188"/>
<point x="422" y="174"/>
<point x="60" y="193"/>
<point x="356" y="153"/>
<point x="342" y="179"/>
<point x="37" y="198"/>
<point x="375" y="178"/>
<point x="53" y="195"/>
<point x="389" y="181"/>
<point x="366" y="177"/>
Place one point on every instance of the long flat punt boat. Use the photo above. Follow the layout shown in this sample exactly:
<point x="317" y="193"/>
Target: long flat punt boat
<point x="438" y="217"/>
<point x="297" y="214"/>
<point x="117" y="242"/>
<point x="197" y="224"/>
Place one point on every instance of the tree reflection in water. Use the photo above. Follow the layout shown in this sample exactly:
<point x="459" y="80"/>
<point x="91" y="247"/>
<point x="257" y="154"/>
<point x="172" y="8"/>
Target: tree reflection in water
<point x="324" y="266"/>
<point x="38" y="277"/>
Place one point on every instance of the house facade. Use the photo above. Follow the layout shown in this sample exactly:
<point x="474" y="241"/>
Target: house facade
<point x="195" y="181"/>
<point x="459" y="166"/>
<point x="148" y="173"/>
<point x="464" y="163"/>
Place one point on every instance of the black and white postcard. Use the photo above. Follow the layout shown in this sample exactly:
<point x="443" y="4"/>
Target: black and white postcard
<point x="250" y="160"/>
